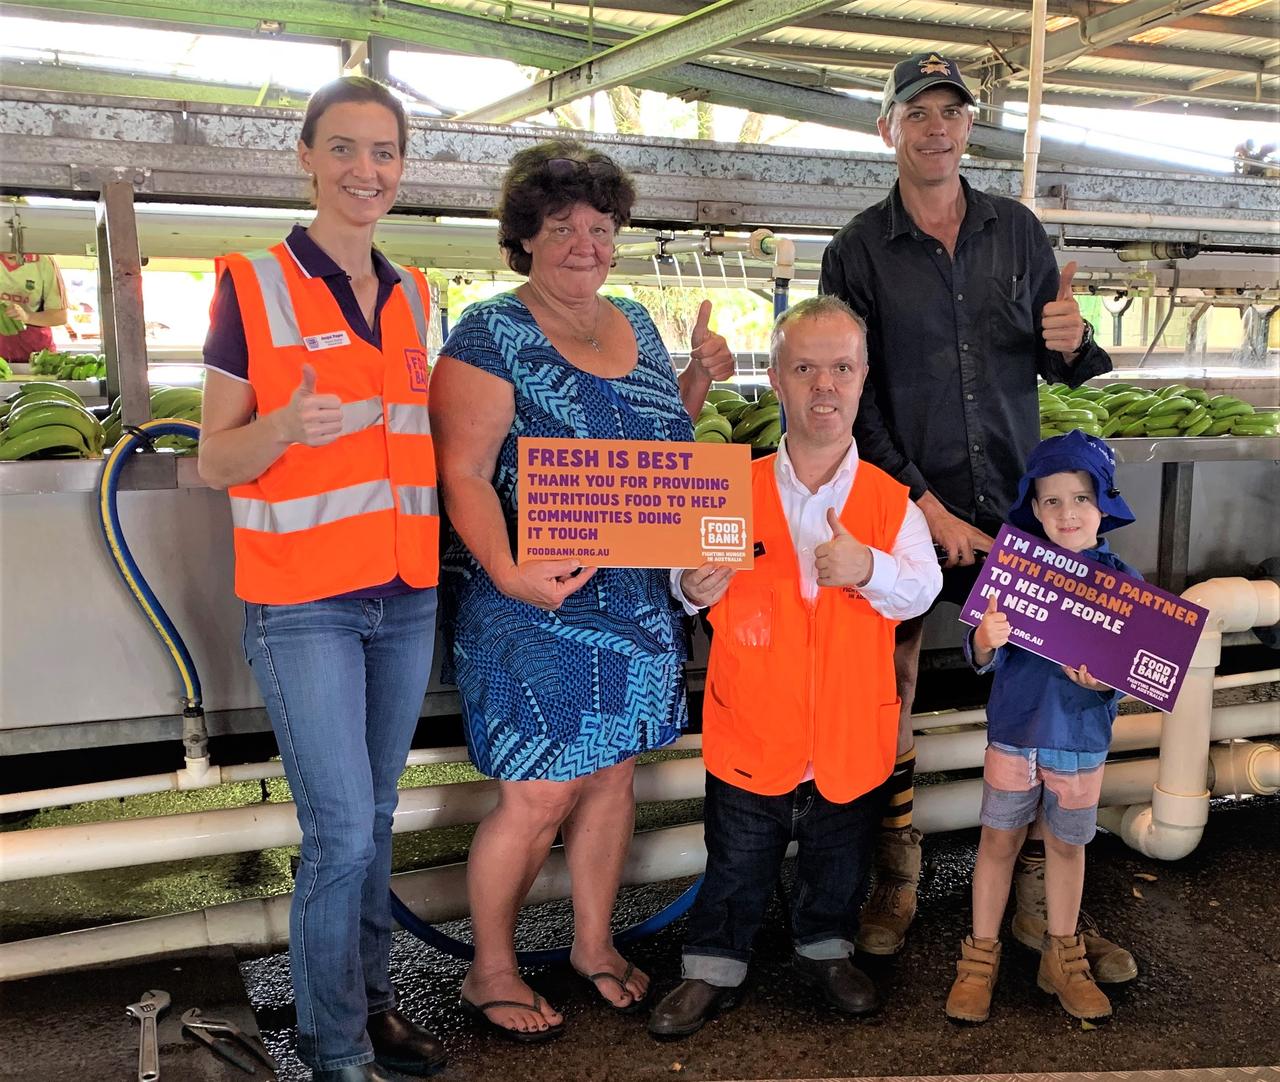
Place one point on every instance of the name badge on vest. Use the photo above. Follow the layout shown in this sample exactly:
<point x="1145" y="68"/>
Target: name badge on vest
<point x="331" y="340"/>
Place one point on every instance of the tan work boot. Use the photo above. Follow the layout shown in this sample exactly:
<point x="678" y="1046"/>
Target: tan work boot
<point x="1064" y="971"/>
<point x="1109" y="962"/>
<point x="976" y="972"/>
<point x="892" y="905"/>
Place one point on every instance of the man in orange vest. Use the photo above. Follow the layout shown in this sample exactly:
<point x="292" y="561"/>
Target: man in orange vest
<point x="800" y="715"/>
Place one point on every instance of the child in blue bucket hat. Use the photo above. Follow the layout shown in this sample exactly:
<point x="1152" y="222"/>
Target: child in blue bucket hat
<point x="1048" y="730"/>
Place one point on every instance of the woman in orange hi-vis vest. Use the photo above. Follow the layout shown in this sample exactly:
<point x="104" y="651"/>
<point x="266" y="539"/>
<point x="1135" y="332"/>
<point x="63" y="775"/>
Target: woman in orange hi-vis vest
<point x="315" y="420"/>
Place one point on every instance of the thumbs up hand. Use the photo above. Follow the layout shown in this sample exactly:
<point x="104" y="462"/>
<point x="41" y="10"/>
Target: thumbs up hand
<point x="992" y="633"/>
<point x="708" y="350"/>
<point x="309" y="418"/>
<point x="1062" y="325"/>
<point x="844" y="560"/>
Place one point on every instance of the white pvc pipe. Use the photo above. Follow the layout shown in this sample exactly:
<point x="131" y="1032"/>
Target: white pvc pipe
<point x="186" y="780"/>
<point x="1035" y="86"/>
<point x="939" y="720"/>
<point x="784" y="258"/>
<point x="120" y="843"/>
<point x="1171" y="825"/>
<point x="435" y="895"/>
<point x="1138" y="220"/>
<point x="1241" y="768"/>
<point x="439" y="894"/>
<point x="201" y="776"/>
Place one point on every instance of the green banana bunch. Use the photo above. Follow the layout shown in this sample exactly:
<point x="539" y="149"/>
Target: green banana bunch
<point x="711" y="426"/>
<point x="182" y="402"/>
<point x="26" y="417"/>
<point x="1124" y="411"/>
<point x="755" y="421"/>
<point x="30" y="392"/>
<point x="6" y="372"/>
<point x="46" y="441"/>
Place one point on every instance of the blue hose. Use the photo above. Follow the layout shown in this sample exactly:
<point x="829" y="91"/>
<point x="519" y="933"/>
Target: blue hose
<point x="121" y="454"/>
<point x="143" y="435"/>
<point x="457" y="948"/>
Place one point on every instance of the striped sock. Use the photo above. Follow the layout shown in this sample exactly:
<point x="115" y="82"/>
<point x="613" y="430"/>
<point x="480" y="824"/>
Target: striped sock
<point x="897" y="815"/>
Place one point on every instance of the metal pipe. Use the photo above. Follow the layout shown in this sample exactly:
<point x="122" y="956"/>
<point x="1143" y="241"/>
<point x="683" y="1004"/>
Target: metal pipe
<point x="1137" y="220"/>
<point x="439" y="894"/>
<point x="759" y="245"/>
<point x="1035" y="85"/>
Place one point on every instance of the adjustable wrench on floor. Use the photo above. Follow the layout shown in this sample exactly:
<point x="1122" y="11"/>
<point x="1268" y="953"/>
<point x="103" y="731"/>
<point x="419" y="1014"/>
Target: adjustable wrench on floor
<point x="147" y="1010"/>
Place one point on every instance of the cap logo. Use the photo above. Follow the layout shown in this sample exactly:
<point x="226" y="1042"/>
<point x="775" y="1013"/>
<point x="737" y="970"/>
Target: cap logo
<point x="933" y="64"/>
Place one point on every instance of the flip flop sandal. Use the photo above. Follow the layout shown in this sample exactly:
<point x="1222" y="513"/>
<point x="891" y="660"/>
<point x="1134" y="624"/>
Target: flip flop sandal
<point x="520" y="1036"/>
<point x="634" y="1007"/>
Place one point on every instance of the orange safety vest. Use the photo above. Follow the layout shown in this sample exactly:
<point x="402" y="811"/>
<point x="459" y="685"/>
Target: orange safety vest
<point x="363" y="509"/>
<point x="791" y="681"/>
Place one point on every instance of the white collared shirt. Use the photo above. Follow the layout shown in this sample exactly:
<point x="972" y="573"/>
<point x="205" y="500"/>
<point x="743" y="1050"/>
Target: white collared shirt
<point x="904" y="581"/>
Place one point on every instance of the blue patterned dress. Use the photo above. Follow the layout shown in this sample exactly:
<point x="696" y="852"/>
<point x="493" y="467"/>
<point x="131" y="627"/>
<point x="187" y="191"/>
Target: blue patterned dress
<point x="557" y="695"/>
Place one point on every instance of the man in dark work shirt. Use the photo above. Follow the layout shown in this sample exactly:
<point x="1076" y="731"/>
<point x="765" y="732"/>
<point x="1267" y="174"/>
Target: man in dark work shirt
<point x="964" y="307"/>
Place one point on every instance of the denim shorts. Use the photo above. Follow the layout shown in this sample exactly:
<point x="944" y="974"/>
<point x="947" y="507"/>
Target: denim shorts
<point x="1019" y="783"/>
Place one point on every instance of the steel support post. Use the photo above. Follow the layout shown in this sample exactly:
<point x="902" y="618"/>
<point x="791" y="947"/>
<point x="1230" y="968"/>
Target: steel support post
<point x="1174" y="542"/>
<point x="124" y="331"/>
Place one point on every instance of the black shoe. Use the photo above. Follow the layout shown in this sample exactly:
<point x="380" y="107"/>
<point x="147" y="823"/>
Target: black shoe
<point x="842" y="984"/>
<point x="685" y="1010"/>
<point x="362" y="1072"/>
<point x="403" y="1046"/>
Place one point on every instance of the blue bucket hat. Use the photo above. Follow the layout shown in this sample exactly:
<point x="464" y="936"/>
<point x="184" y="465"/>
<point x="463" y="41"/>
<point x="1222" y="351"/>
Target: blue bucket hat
<point x="1073" y="451"/>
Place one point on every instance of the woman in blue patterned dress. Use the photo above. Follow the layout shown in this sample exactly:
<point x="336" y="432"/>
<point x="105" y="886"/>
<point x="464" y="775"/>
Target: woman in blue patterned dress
<point x="566" y="673"/>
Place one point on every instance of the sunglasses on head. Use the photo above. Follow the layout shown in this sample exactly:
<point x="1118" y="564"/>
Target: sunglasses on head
<point x="572" y="167"/>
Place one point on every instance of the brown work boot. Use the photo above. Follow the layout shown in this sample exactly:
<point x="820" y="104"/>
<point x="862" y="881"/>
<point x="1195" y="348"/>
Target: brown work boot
<point x="892" y="905"/>
<point x="1109" y="962"/>
<point x="1064" y="971"/>
<point x="976" y="972"/>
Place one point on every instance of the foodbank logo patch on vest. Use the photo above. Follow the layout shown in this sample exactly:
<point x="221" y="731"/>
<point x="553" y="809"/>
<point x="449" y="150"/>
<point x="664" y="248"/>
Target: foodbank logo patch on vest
<point x="415" y="361"/>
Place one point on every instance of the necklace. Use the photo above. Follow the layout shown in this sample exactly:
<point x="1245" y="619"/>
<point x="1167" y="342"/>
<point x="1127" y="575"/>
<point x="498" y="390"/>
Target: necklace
<point x="591" y="338"/>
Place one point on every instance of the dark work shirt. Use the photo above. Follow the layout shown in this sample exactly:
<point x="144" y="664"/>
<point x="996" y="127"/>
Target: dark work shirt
<point x="954" y="347"/>
<point x="227" y="350"/>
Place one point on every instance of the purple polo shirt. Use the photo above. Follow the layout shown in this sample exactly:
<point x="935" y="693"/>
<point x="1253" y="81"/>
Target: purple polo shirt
<point x="227" y="350"/>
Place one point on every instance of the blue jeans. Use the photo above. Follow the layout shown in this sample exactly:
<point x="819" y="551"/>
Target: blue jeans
<point x="747" y="837"/>
<point x="343" y="681"/>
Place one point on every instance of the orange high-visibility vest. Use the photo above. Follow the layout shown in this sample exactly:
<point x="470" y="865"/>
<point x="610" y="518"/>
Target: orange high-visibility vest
<point x="356" y="512"/>
<point x="792" y="682"/>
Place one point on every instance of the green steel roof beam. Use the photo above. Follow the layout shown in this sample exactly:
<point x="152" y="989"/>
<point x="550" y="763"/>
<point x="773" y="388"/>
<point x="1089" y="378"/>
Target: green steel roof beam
<point x="81" y="79"/>
<point x="713" y="28"/>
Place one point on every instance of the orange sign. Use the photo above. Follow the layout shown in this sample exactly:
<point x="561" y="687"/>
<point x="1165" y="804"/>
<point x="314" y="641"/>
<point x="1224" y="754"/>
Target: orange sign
<point x="635" y="503"/>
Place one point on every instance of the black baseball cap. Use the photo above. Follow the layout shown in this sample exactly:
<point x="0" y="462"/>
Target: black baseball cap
<point x="917" y="74"/>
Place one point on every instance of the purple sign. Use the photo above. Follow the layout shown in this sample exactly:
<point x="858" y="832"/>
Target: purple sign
<point x="1131" y="635"/>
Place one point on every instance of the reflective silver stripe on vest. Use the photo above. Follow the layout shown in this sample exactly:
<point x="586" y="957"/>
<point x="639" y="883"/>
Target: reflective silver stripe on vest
<point x="414" y="298"/>
<point x="289" y="516"/>
<point x="408" y="419"/>
<point x="357" y="416"/>
<point x="418" y="500"/>
<point x="281" y="321"/>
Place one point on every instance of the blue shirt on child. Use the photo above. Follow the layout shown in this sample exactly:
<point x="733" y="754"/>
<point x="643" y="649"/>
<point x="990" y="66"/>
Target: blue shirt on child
<point x="1034" y="704"/>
